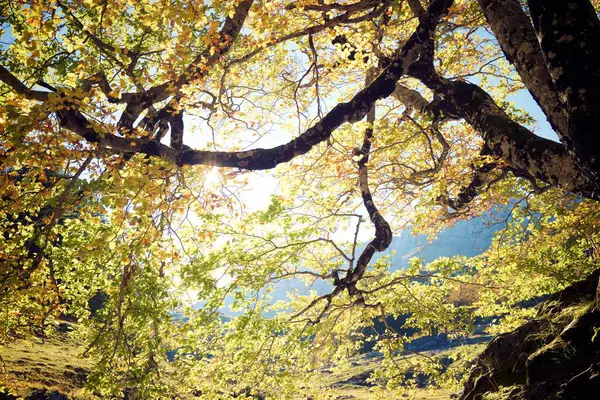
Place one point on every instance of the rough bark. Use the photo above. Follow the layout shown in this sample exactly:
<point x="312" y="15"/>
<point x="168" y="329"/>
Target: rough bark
<point x="502" y="363"/>
<point x="416" y="8"/>
<point x="517" y="38"/>
<point x="518" y="147"/>
<point x="569" y="35"/>
<point x="412" y="99"/>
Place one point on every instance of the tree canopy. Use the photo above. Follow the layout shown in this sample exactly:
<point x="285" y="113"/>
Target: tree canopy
<point x="139" y="140"/>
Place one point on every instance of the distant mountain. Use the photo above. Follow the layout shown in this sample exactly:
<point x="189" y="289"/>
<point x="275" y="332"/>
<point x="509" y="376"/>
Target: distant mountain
<point x="466" y="238"/>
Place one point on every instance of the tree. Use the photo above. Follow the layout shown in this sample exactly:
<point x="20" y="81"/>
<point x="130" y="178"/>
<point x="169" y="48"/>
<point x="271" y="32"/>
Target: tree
<point x="398" y="107"/>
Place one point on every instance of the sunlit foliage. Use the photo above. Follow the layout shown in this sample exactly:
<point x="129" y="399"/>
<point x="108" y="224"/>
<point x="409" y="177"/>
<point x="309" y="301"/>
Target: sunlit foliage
<point x="163" y="245"/>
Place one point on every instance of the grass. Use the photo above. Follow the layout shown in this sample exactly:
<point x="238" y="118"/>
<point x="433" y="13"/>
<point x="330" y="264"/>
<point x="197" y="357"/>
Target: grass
<point x="52" y="364"/>
<point x="360" y="367"/>
<point x="420" y="394"/>
<point x="57" y="365"/>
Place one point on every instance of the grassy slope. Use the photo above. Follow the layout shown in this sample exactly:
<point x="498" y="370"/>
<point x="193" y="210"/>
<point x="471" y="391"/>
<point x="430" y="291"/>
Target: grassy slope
<point x="53" y="364"/>
<point x="362" y="367"/>
<point x="423" y="394"/>
<point x="362" y="393"/>
<point x="57" y="365"/>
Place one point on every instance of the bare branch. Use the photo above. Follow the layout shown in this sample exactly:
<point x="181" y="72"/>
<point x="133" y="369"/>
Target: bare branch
<point x="19" y="87"/>
<point x="258" y="159"/>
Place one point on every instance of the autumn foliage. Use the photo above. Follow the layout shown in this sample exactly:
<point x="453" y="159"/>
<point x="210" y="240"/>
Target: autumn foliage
<point x="174" y="156"/>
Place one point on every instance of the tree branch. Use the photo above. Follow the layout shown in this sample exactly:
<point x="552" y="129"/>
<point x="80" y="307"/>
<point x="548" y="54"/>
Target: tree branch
<point x="517" y="146"/>
<point x="569" y="33"/>
<point x="383" y="232"/>
<point x="416" y="8"/>
<point x="197" y="69"/>
<point x="258" y="159"/>
<point x="7" y="77"/>
<point x="480" y="177"/>
<point x="336" y="21"/>
<point x="517" y="38"/>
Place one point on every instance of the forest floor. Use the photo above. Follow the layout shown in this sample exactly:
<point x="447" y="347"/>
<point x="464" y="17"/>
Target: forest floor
<point x="56" y="365"/>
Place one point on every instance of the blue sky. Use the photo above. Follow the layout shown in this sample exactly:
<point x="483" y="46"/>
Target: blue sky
<point x="524" y="100"/>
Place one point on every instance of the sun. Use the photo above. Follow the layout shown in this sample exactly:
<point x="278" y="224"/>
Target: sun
<point x="212" y="177"/>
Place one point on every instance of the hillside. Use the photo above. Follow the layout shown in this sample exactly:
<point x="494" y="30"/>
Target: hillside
<point x="42" y="367"/>
<point x="467" y="238"/>
<point x="36" y="368"/>
<point x="53" y="369"/>
<point x="555" y="356"/>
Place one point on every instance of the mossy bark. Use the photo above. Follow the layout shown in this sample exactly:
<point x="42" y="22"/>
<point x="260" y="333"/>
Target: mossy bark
<point x="556" y="356"/>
